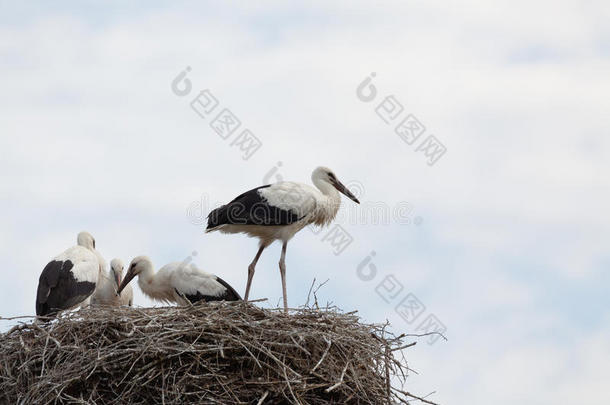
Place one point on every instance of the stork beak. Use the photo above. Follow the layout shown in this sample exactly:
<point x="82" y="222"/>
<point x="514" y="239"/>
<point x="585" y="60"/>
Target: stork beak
<point x="342" y="189"/>
<point x="128" y="277"/>
<point x="117" y="279"/>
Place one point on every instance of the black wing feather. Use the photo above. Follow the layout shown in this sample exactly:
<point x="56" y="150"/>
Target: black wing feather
<point x="229" y="295"/>
<point x="250" y="208"/>
<point x="58" y="289"/>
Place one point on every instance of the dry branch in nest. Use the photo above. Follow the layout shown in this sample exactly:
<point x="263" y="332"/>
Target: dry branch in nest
<point x="213" y="353"/>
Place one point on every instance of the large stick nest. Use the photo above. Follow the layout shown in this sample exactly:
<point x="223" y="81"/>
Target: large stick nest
<point x="213" y="353"/>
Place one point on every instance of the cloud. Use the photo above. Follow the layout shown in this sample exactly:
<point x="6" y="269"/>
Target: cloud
<point x="513" y="213"/>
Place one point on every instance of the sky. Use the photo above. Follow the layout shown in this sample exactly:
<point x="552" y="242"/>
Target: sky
<point x="492" y="221"/>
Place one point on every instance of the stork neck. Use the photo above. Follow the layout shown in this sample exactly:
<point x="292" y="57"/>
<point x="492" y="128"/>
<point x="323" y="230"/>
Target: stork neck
<point x="333" y="199"/>
<point x="146" y="276"/>
<point x="86" y="245"/>
<point x="328" y="205"/>
<point x="326" y="188"/>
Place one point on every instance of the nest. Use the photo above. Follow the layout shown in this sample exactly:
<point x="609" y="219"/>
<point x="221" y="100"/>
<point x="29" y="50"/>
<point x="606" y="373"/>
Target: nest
<point x="212" y="353"/>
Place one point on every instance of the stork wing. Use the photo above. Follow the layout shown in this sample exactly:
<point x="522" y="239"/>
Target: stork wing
<point x="196" y="285"/>
<point x="66" y="281"/>
<point x="297" y="198"/>
<point x="278" y="204"/>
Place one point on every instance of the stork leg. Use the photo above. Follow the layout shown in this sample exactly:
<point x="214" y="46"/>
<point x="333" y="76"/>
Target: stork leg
<point x="251" y="270"/>
<point x="283" y="274"/>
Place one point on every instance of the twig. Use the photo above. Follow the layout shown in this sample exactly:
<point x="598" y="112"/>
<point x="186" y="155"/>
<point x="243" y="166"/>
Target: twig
<point x="329" y="389"/>
<point x="260" y="401"/>
<point x="323" y="355"/>
<point x="422" y="399"/>
<point x="404" y="346"/>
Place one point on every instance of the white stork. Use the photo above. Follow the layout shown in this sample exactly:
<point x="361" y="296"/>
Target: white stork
<point x="178" y="282"/>
<point x="70" y="278"/>
<point x="106" y="293"/>
<point x="278" y="211"/>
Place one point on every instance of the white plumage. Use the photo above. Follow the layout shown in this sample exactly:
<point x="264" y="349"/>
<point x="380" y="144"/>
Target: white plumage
<point x="106" y="293"/>
<point x="70" y="278"/>
<point x="278" y="211"/>
<point x="178" y="282"/>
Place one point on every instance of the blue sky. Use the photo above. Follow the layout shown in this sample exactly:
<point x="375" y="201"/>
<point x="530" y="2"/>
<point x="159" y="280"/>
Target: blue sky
<point x="511" y="252"/>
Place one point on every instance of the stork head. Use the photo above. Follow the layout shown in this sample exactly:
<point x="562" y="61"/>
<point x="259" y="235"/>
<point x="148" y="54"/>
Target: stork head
<point x="85" y="239"/>
<point x="116" y="269"/>
<point x="137" y="266"/>
<point x="325" y="175"/>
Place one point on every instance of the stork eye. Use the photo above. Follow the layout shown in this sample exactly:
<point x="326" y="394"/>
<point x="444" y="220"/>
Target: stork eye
<point x="332" y="175"/>
<point x="93" y="243"/>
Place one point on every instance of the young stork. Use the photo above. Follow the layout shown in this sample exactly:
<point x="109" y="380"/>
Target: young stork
<point x="178" y="282"/>
<point x="70" y="278"/>
<point x="278" y="211"/>
<point x="106" y="293"/>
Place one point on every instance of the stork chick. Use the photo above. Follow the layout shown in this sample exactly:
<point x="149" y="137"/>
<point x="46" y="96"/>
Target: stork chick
<point x="106" y="293"/>
<point x="178" y="282"/>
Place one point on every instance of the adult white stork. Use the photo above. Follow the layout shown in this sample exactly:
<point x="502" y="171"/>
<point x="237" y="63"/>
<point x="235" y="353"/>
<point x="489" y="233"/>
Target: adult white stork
<point x="278" y="211"/>
<point x="178" y="282"/>
<point x="106" y="293"/>
<point x="70" y="278"/>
